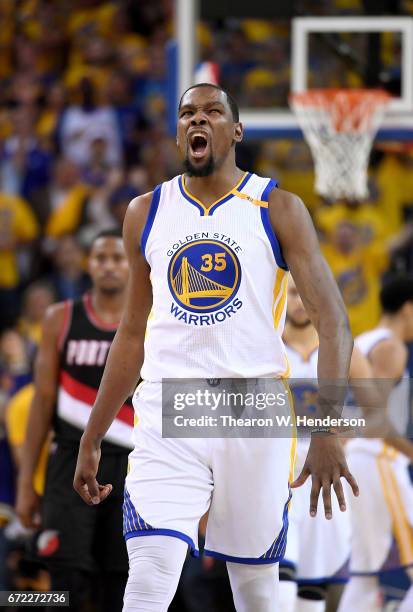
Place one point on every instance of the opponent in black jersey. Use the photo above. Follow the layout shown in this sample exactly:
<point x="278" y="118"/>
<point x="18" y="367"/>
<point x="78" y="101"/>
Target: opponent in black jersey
<point x="80" y="545"/>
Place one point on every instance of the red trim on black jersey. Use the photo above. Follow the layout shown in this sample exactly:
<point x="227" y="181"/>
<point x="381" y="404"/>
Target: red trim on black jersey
<point x="68" y="304"/>
<point x="87" y="394"/>
<point x="94" y="317"/>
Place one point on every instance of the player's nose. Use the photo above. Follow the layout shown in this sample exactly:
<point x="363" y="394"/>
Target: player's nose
<point x="198" y="118"/>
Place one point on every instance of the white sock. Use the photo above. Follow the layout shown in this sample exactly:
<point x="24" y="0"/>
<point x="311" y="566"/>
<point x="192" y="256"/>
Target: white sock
<point x="308" y="605"/>
<point x="155" y="565"/>
<point x="254" y="587"/>
<point x="362" y="594"/>
<point x="407" y="603"/>
<point x="288" y="595"/>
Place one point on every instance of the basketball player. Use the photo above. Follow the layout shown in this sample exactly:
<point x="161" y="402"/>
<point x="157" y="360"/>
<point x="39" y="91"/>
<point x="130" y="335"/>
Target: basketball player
<point x="76" y="541"/>
<point x="382" y="517"/>
<point x="310" y="557"/>
<point x="209" y="253"/>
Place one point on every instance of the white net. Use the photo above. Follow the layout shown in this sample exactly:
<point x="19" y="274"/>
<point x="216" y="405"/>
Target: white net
<point x="340" y="126"/>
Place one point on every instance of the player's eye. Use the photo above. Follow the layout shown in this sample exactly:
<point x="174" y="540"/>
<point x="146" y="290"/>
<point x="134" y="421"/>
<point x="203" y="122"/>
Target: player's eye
<point x="186" y="113"/>
<point x="215" y="111"/>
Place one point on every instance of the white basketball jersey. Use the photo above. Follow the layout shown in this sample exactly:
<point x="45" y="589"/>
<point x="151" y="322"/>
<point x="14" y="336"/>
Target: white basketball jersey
<point x="219" y="284"/>
<point x="398" y="403"/>
<point x="303" y="385"/>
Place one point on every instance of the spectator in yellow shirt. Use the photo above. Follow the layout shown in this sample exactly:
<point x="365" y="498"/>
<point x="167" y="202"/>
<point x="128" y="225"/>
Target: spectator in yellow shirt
<point x="17" y="412"/>
<point x="18" y="226"/>
<point x="357" y="269"/>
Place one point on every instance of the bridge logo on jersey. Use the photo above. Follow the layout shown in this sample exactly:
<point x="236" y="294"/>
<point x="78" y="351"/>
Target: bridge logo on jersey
<point x="204" y="277"/>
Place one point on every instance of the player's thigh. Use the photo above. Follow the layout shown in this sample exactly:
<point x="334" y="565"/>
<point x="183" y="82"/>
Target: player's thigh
<point x="168" y="485"/>
<point x="249" y="506"/>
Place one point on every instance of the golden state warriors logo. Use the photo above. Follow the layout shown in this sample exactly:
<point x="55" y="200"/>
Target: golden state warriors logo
<point x="204" y="277"/>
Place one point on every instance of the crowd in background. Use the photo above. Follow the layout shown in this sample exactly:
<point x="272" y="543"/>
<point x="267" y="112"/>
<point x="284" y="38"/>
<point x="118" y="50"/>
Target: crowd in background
<point x="83" y="131"/>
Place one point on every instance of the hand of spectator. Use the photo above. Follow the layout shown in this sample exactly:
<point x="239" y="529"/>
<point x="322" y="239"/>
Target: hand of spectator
<point x="28" y="506"/>
<point x="85" y="482"/>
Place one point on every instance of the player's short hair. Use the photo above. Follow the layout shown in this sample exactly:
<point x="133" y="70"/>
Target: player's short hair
<point x="231" y="101"/>
<point x="112" y="232"/>
<point x="395" y="293"/>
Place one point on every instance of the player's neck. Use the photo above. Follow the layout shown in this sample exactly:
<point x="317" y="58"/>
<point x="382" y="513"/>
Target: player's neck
<point x="302" y="339"/>
<point x="394" y="324"/>
<point x="108" y="307"/>
<point x="210" y="188"/>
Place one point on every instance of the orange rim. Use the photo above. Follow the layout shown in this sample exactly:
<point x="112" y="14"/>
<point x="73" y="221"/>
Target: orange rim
<point x="350" y="109"/>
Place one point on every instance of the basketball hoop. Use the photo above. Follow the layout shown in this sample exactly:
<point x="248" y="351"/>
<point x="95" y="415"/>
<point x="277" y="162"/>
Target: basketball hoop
<point x="340" y="125"/>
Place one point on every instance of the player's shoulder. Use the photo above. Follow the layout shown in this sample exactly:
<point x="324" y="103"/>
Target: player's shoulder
<point x="138" y="211"/>
<point x="276" y="197"/>
<point x="58" y="310"/>
<point x="56" y="318"/>
<point x="390" y="353"/>
<point x="141" y="203"/>
<point x="285" y="200"/>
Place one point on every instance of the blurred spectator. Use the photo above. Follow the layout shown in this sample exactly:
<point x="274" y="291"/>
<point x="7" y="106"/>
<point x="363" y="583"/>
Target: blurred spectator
<point x="18" y="227"/>
<point x="95" y="172"/>
<point x="394" y="180"/>
<point x="130" y="119"/>
<point x="119" y="201"/>
<point x="28" y="573"/>
<point x="50" y="115"/>
<point x="86" y="121"/>
<point x="25" y="166"/>
<point x="36" y="299"/>
<point x="151" y="89"/>
<point x="69" y="278"/>
<point x="290" y="162"/>
<point x="15" y="366"/>
<point x="16" y="418"/>
<point x="237" y="60"/>
<point x="357" y="269"/>
<point x="7" y="483"/>
<point x="363" y="215"/>
<point x="64" y="202"/>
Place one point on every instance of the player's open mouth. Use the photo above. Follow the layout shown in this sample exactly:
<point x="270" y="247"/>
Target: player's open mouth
<point x="198" y="144"/>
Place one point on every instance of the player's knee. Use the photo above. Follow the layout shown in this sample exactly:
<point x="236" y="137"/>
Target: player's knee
<point x="312" y="592"/>
<point x="253" y="586"/>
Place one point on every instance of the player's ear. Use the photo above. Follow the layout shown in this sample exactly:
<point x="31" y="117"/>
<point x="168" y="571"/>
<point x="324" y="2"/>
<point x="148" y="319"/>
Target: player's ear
<point x="238" y="132"/>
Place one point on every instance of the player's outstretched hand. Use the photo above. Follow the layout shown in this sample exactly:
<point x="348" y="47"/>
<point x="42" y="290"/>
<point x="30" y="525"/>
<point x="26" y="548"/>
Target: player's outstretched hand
<point x="85" y="482"/>
<point x="326" y="464"/>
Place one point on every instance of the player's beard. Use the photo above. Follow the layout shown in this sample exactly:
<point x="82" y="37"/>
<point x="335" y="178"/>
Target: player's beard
<point x="298" y="324"/>
<point x="111" y="291"/>
<point x="205" y="170"/>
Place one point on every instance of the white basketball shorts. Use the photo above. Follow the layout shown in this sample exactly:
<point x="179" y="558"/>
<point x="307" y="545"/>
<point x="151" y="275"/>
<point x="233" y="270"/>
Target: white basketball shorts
<point x="243" y="482"/>
<point x="318" y="548"/>
<point x="382" y="515"/>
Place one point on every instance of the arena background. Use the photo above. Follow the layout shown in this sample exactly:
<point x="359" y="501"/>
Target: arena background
<point x="88" y="94"/>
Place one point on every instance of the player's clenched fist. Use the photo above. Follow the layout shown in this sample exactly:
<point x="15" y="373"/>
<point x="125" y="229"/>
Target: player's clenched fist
<point x="85" y="482"/>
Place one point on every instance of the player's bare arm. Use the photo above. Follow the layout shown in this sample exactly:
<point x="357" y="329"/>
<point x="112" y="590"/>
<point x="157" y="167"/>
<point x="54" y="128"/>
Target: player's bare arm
<point x="372" y="397"/>
<point x="125" y="357"/>
<point x="40" y="415"/>
<point x="292" y="224"/>
<point x="388" y="362"/>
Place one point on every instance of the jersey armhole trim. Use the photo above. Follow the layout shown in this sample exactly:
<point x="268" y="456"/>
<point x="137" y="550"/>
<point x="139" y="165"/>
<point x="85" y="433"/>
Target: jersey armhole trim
<point x="151" y="217"/>
<point x="67" y="320"/>
<point x="265" y="218"/>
